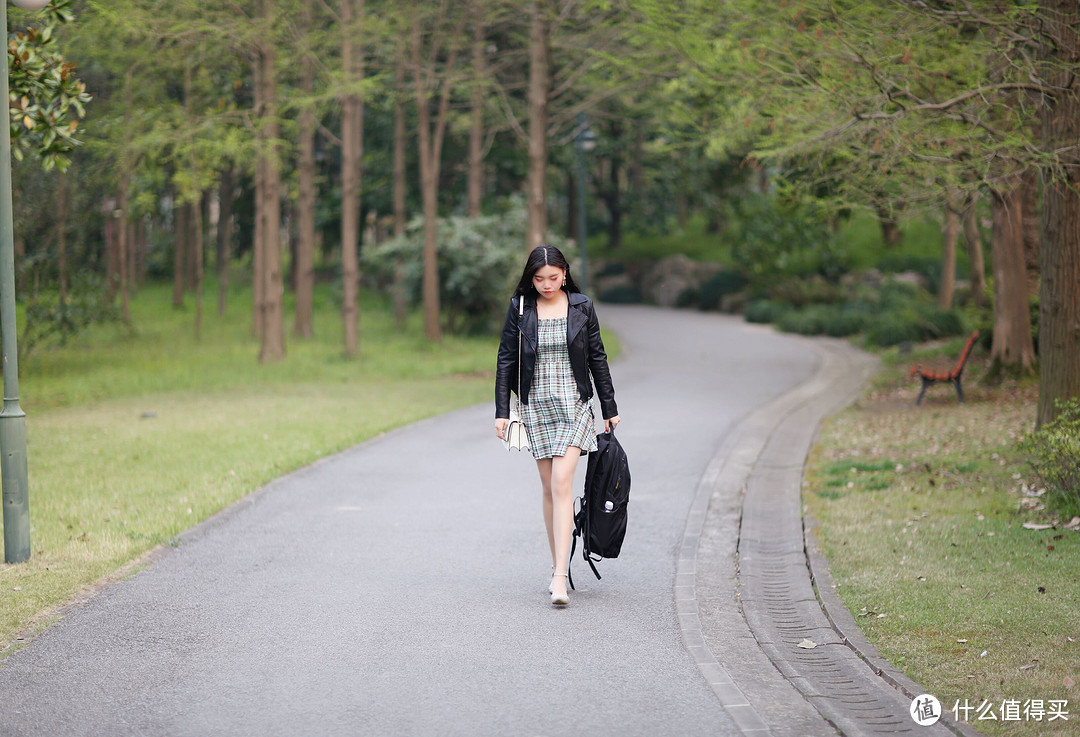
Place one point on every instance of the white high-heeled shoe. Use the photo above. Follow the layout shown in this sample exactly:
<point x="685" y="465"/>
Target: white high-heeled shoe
<point x="560" y="599"/>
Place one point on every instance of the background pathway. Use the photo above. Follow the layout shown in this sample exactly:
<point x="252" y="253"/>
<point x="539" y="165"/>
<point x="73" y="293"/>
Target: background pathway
<point x="399" y="588"/>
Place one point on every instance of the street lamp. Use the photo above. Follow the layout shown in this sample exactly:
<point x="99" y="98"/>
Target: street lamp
<point x="16" y="497"/>
<point x="584" y="141"/>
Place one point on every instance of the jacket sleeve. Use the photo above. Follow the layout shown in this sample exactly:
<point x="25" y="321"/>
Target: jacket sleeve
<point x="506" y="367"/>
<point x="598" y="366"/>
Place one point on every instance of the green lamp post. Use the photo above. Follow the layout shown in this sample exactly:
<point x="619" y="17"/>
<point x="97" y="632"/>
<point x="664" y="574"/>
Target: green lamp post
<point x="16" y="496"/>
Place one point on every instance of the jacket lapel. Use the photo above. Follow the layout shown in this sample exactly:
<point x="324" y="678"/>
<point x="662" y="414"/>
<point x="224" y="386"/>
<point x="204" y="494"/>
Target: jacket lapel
<point x="575" y="318"/>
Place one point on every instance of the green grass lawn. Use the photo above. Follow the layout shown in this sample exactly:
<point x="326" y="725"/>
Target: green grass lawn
<point x="135" y="436"/>
<point x="922" y="513"/>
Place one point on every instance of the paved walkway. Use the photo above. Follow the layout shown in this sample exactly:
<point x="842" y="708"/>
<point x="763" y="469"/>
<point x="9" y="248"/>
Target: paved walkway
<point x="399" y="588"/>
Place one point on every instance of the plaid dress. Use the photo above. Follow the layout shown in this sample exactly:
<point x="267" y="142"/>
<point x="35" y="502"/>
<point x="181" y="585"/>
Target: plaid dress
<point x="555" y="416"/>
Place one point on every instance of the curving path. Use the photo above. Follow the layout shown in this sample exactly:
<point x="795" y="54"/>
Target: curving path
<point x="399" y="588"/>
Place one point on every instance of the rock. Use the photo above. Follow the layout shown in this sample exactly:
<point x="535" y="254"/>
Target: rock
<point x="671" y="277"/>
<point x="913" y="278"/>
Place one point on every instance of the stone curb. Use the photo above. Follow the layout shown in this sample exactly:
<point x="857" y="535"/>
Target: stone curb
<point x="737" y="460"/>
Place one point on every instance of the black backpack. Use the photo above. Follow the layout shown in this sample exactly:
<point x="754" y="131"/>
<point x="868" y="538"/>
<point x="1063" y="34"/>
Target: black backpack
<point x="600" y="521"/>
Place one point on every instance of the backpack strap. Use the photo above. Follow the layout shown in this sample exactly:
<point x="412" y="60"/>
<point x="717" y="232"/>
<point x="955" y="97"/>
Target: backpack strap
<point x="581" y="526"/>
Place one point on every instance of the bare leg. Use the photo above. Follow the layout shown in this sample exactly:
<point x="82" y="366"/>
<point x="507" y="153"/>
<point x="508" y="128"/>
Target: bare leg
<point x="543" y="465"/>
<point x="562" y="527"/>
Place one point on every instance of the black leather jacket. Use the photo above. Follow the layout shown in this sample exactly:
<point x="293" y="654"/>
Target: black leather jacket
<point x="583" y="343"/>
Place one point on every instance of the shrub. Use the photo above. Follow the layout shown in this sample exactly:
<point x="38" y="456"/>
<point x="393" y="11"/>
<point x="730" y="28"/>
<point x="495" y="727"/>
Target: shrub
<point x="939" y="323"/>
<point x="479" y="261"/>
<point x="810" y="290"/>
<point x="764" y="311"/>
<point x="689" y="297"/>
<point x="721" y="284"/>
<point x="51" y="320"/>
<point x="928" y="266"/>
<point x="781" y="239"/>
<point x="810" y="321"/>
<point x="1053" y="451"/>
<point x="894" y="329"/>
<point x="624" y="295"/>
<point x="843" y="322"/>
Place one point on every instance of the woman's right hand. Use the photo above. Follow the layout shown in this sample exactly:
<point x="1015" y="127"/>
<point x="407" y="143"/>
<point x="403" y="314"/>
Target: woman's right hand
<point x="501" y="423"/>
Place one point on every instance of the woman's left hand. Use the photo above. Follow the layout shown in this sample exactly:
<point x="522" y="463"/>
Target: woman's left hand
<point x="611" y="422"/>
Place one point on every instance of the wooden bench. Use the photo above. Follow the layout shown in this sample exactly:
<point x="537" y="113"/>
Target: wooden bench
<point x="930" y="376"/>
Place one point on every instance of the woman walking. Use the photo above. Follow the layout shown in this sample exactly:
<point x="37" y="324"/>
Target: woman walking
<point x="560" y="348"/>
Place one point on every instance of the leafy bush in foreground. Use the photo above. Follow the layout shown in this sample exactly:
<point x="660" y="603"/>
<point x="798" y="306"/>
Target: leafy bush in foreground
<point x="1054" y="454"/>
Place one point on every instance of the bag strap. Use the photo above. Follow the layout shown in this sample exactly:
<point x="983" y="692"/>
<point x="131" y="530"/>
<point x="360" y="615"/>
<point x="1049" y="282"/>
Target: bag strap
<point x="521" y="315"/>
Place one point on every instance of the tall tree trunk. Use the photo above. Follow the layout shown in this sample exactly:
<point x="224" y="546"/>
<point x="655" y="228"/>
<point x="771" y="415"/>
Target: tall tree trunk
<point x="539" y="82"/>
<point x="613" y="197"/>
<point x="1030" y="205"/>
<point x="273" y="337"/>
<point x="180" y="231"/>
<point x="258" y="244"/>
<point x="197" y="260"/>
<point x="134" y="245"/>
<point x="352" y="124"/>
<point x="973" y="242"/>
<point x="636" y="170"/>
<point x="430" y="144"/>
<point x="305" y="206"/>
<point x="1059" y="291"/>
<point x="111" y="257"/>
<point x="400" y="298"/>
<point x="189" y="249"/>
<point x="195" y="253"/>
<point x="475" y="185"/>
<point x="399" y="142"/>
<point x="948" y="263"/>
<point x="1012" y="346"/>
<point x="891" y="234"/>
<point x="224" y="234"/>
<point x="571" y="205"/>
<point x="121" y="233"/>
<point x="61" y="236"/>
<point x="682" y="194"/>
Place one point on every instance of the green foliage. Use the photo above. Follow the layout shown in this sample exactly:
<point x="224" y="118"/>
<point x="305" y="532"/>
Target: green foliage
<point x="47" y="100"/>
<point x="54" y="320"/>
<point x="764" y="311"/>
<point x="1053" y="451"/>
<point x="479" y="262"/>
<point x="782" y="239"/>
<point x="628" y="294"/>
<point x="891" y="314"/>
<point x="720" y="285"/>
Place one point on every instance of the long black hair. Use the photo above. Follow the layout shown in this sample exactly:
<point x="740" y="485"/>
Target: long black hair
<point x="544" y="256"/>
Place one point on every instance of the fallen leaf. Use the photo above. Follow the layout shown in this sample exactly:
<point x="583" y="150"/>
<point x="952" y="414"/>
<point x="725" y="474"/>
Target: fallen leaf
<point x="1035" y="526"/>
<point x="1068" y="682"/>
<point x="807" y="644"/>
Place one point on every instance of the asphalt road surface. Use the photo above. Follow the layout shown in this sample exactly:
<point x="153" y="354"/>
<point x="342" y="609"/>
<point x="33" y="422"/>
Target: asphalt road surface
<point x="400" y="588"/>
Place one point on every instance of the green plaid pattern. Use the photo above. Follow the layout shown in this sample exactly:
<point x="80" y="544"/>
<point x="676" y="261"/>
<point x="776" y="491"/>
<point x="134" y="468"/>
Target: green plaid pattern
<point x="555" y="416"/>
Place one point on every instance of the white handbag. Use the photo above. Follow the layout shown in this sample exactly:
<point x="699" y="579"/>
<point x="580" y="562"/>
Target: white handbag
<point x="516" y="437"/>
